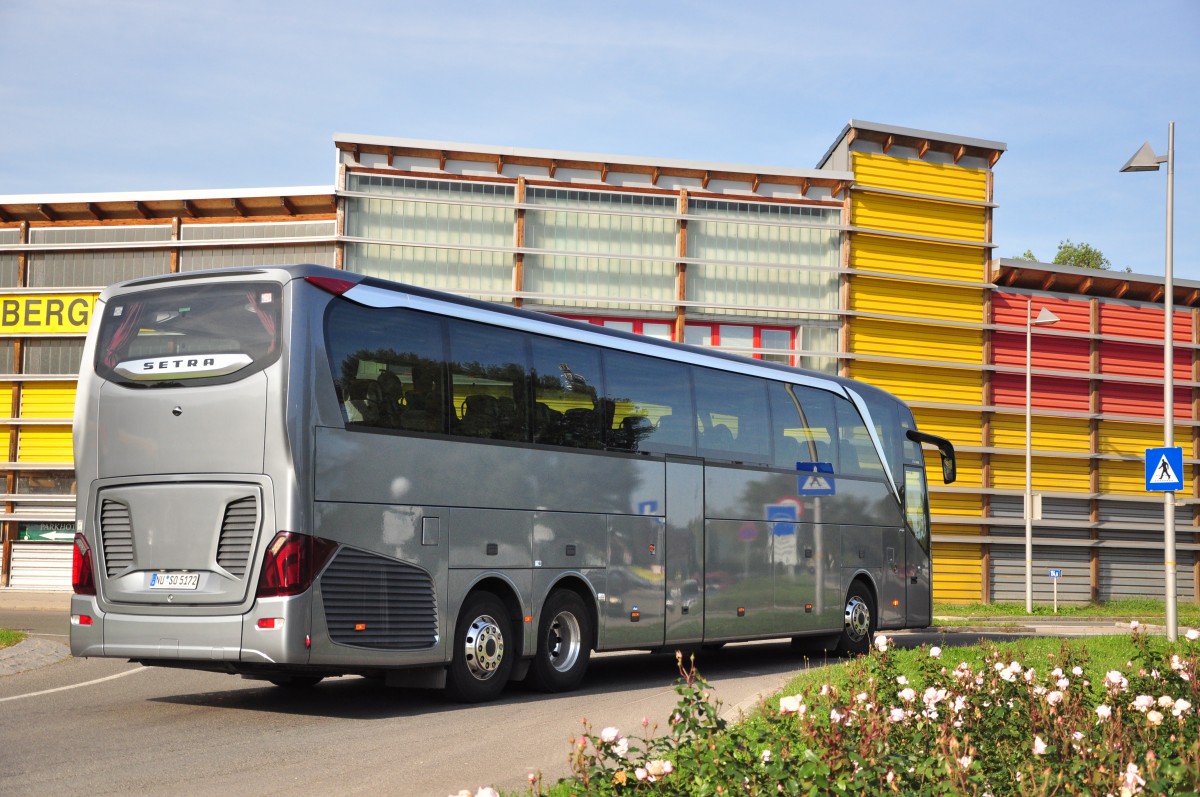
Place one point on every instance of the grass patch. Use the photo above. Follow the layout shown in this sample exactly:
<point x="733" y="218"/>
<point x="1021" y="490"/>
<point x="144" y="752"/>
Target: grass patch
<point x="1148" y="610"/>
<point x="10" y="638"/>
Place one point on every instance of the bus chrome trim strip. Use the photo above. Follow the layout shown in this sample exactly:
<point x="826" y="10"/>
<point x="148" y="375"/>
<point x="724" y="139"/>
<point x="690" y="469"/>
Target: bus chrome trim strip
<point x="194" y="366"/>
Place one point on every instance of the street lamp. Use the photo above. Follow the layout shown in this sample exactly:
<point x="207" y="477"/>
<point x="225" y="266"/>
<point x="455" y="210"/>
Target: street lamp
<point x="1144" y="160"/>
<point x="1044" y="318"/>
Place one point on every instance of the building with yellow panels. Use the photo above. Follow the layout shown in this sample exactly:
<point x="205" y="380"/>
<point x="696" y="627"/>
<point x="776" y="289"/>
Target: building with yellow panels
<point x="876" y="264"/>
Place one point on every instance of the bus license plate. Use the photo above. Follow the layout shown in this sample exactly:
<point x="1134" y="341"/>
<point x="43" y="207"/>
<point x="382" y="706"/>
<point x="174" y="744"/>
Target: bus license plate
<point x="174" y="580"/>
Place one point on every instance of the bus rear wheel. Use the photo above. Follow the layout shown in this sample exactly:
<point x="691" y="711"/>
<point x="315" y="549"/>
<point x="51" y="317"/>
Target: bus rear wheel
<point x="860" y="621"/>
<point x="564" y="644"/>
<point x="480" y="665"/>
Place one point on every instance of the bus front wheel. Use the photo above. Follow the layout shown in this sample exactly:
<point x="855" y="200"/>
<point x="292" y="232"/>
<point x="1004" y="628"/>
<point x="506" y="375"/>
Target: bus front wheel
<point x="564" y="644"/>
<point x="859" y="621"/>
<point x="481" y="663"/>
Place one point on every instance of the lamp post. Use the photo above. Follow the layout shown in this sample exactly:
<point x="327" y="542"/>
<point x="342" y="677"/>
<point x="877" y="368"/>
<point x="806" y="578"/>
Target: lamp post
<point x="1044" y="318"/>
<point x="1144" y="160"/>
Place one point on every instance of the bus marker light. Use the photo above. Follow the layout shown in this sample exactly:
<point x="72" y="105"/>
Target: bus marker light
<point x="741" y="611"/>
<point x="635" y="616"/>
<point x="81" y="619"/>
<point x="895" y="603"/>
<point x="307" y="641"/>
<point x="268" y="623"/>
<point x="808" y="608"/>
<point x="360" y="626"/>
<point x="528" y="619"/>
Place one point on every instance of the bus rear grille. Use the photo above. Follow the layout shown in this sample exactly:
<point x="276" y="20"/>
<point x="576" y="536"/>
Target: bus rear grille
<point x="375" y="602"/>
<point x="238" y="529"/>
<point x="116" y="532"/>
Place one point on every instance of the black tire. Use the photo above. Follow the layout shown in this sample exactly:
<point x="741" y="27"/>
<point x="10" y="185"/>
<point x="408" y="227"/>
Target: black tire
<point x="564" y="644"/>
<point x="482" y="658"/>
<point x="859" y="628"/>
<point x="296" y="681"/>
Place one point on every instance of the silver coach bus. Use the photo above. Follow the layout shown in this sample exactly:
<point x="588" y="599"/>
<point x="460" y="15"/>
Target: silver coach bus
<point x="298" y="472"/>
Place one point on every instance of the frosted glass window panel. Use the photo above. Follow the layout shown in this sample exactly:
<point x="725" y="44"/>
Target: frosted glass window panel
<point x="766" y="258"/>
<point x="485" y="275"/>
<point x="658" y="331"/>
<point x="601" y="222"/>
<point x="225" y="232"/>
<point x="95" y="268"/>
<point x="197" y="259"/>
<point x="595" y="282"/>
<point x="621" y="326"/>
<point x="6" y="357"/>
<point x="430" y="223"/>
<point x="100" y="235"/>
<point x="697" y="335"/>
<point x="777" y="346"/>
<point x="818" y="338"/>
<point x="418" y="188"/>
<point x="57" y="357"/>
<point x="738" y="339"/>
<point x="9" y="271"/>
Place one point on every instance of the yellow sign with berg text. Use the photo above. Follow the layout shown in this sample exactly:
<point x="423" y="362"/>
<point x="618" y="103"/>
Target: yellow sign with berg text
<point x="46" y="314"/>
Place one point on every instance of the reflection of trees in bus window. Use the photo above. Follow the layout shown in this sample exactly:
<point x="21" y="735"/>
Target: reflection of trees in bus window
<point x="649" y="404"/>
<point x="733" y="416"/>
<point x="565" y="409"/>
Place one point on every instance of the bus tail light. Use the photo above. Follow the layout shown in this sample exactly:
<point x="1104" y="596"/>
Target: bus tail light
<point x="292" y="562"/>
<point x="83" y="578"/>
<point x="331" y="284"/>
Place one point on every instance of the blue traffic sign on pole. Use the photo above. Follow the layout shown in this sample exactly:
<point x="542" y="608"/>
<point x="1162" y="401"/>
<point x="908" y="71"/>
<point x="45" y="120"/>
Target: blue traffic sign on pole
<point x="815" y="478"/>
<point x="1164" y="469"/>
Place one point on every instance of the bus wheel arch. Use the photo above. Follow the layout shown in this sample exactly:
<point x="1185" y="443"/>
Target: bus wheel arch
<point x="566" y="635"/>
<point x="861" y="618"/>
<point x="485" y="643"/>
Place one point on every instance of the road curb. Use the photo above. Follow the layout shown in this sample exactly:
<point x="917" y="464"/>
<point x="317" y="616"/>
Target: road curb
<point x="31" y="654"/>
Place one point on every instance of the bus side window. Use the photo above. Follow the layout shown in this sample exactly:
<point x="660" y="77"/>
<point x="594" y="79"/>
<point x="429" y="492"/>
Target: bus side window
<point x="855" y="449"/>
<point x="488" y="370"/>
<point x="650" y="401"/>
<point x="805" y="426"/>
<point x="734" y="418"/>
<point x="566" y="410"/>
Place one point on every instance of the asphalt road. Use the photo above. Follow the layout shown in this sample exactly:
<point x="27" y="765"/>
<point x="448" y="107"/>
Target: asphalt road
<point x="106" y="726"/>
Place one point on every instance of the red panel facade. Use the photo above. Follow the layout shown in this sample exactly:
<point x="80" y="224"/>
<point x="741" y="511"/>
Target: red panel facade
<point x="1142" y="359"/>
<point x="1048" y="392"/>
<point x="1048" y="352"/>
<point x="1009" y="309"/>
<point x="1125" y="398"/>
<point x="1140" y="321"/>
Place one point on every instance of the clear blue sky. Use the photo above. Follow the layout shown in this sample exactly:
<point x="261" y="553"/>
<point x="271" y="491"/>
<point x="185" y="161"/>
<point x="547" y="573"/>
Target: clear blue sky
<point x="141" y="95"/>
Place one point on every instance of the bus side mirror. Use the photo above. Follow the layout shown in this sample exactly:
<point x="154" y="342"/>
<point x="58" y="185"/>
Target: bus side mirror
<point x="944" y="447"/>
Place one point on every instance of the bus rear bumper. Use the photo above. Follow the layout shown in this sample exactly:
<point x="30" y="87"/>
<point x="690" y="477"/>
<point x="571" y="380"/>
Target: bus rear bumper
<point x="264" y="635"/>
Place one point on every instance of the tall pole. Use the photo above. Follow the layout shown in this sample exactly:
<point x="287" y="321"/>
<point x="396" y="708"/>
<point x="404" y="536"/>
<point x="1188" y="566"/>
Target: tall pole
<point x="1169" y="391"/>
<point x="1028" y="457"/>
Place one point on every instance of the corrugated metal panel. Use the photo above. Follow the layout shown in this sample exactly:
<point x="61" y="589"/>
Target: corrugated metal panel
<point x="1049" y="392"/>
<point x="1132" y="439"/>
<point x="919" y="217"/>
<point x="957" y="573"/>
<point x="1127" y="398"/>
<point x="1047" y="353"/>
<point x="1008" y="574"/>
<point x="1140" y="512"/>
<point x="918" y="341"/>
<point x="48" y="400"/>
<point x="1141" y="321"/>
<point x="1011" y="506"/>
<point x="917" y="258"/>
<point x="1049" y="474"/>
<point x="919" y="177"/>
<point x="1127" y="478"/>
<point x="1140" y="574"/>
<point x="1143" y="359"/>
<point x="923" y="383"/>
<point x="1010" y="309"/>
<point x="45" y="444"/>
<point x="970" y="468"/>
<point x="917" y="299"/>
<point x="41" y="565"/>
<point x="955" y="504"/>
<point x="960" y="428"/>
<point x="1048" y="434"/>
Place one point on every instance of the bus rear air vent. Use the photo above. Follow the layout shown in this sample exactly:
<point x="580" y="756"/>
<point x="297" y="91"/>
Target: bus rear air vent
<point x="391" y="602"/>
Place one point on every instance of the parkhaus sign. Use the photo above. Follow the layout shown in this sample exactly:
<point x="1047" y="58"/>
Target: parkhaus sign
<point x="45" y="314"/>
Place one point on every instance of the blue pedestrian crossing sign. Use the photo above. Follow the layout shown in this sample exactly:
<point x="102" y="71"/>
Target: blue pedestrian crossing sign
<point x="814" y="478"/>
<point x="1164" y="469"/>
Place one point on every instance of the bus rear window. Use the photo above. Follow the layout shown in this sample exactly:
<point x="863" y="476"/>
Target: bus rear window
<point x="198" y="334"/>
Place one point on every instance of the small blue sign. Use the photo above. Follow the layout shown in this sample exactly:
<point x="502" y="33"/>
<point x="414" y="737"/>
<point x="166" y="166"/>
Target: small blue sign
<point x="782" y="518"/>
<point x="1164" y="469"/>
<point x="648" y="508"/>
<point x="814" y="478"/>
<point x="1055" y="573"/>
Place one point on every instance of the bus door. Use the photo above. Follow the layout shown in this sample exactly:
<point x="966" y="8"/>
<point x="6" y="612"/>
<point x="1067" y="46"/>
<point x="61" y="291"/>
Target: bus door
<point x="635" y="599"/>
<point x="893" y="590"/>
<point x="918" y="568"/>
<point x="685" y="550"/>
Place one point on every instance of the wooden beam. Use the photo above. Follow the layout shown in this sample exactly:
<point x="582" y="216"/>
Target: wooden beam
<point x="442" y="157"/>
<point x="46" y="213"/>
<point x="654" y="178"/>
<point x="1121" y="290"/>
<point x="959" y="152"/>
<point x="189" y="209"/>
<point x="288" y="205"/>
<point x="888" y="142"/>
<point x="1086" y="285"/>
<point x="1192" y="297"/>
<point x="1157" y="294"/>
<point x="922" y="148"/>
<point x="553" y="167"/>
<point x="238" y="207"/>
<point x="704" y="180"/>
<point x="142" y="210"/>
<point x="499" y="164"/>
<point x="604" y="172"/>
<point x="4" y="215"/>
<point x="93" y="212"/>
<point x="804" y="186"/>
<point x="1049" y="281"/>
<point x="995" y="156"/>
<point x="754" y="185"/>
